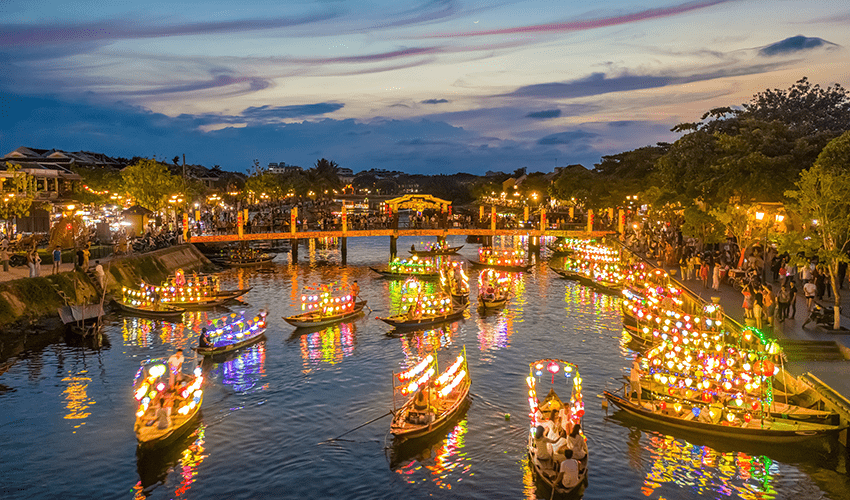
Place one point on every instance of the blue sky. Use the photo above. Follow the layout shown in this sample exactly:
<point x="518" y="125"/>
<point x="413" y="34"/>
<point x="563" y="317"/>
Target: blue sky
<point x="436" y="86"/>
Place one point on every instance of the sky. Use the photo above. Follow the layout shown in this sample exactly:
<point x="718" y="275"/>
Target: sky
<point x="433" y="86"/>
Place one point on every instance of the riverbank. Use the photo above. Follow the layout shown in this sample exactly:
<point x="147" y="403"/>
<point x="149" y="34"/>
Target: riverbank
<point x="30" y="300"/>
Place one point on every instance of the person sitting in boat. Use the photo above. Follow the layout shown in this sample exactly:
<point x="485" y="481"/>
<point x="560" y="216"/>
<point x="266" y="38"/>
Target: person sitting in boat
<point x="204" y="339"/>
<point x="162" y="415"/>
<point x="412" y="248"/>
<point x="577" y="443"/>
<point x="543" y="445"/>
<point x="568" y="473"/>
<point x="179" y="278"/>
<point x="422" y="412"/>
<point x="414" y="312"/>
<point x="355" y="290"/>
<point x="634" y="378"/>
<point x="489" y="293"/>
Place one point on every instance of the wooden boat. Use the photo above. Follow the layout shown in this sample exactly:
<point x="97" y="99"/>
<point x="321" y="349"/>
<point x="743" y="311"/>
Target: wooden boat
<point x="566" y="273"/>
<point x="432" y="402"/>
<point x="775" y="430"/>
<point x="148" y="387"/>
<point x="438" y="251"/>
<point x="314" y="319"/>
<point x="493" y="290"/>
<point x="83" y="320"/>
<point x="225" y="338"/>
<point x="501" y="267"/>
<point x="261" y="259"/>
<point x="403" y="275"/>
<point x="554" y="413"/>
<point x="486" y="305"/>
<point x="454" y="281"/>
<point x="607" y="287"/>
<point x="403" y="321"/>
<point x="558" y="251"/>
<point x="203" y="303"/>
<point x="149" y="310"/>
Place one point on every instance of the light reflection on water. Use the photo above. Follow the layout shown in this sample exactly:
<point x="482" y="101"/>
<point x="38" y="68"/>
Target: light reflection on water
<point x="329" y="345"/>
<point x="418" y="343"/>
<point x="183" y="459"/>
<point x="441" y="462"/>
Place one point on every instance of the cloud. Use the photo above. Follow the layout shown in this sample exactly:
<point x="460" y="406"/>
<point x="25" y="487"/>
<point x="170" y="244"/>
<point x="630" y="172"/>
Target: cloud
<point x="544" y="115"/>
<point x="253" y="84"/>
<point x="601" y="83"/>
<point x="434" y="101"/>
<point x="795" y="44"/>
<point x="63" y="33"/>
<point x="570" y="137"/>
<point x="601" y="22"/>
<point x="297" y="111"/>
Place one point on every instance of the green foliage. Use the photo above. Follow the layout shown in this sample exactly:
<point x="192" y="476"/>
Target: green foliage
<point x="822" y="194"/>
<point x="703" y="225"/>
<point x="18" y="193"/>
<point x="150" y="183"/>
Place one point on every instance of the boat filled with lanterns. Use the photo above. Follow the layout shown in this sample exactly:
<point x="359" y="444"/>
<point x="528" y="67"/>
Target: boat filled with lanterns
<point x="325" y="305"/>
<point x="556" y="425"/>
<point x="142" y="302"/>
<point x="421" y="308"/>
<point x="503" y="260"/>
<point x="439" y="248"/>
<point x="594" y="265"/>
<point x="454" y="281"/>
<point x="164" y="413"/>
<point x="194" y="291"/>
<point x="429" y="401"/>
<point x="231" y="332"/>
<point x="493" y="289"/>
<point x="248" y="257"/>
<point x="404" y="268"/>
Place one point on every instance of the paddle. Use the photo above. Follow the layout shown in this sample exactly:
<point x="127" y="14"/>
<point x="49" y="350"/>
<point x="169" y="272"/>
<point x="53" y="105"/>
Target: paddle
<point x="359" y="426"/>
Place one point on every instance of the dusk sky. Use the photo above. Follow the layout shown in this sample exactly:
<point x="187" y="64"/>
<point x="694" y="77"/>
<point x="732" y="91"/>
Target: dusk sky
<point x="437" y="86"/>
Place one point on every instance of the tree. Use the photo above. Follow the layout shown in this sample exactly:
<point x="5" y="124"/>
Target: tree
<point x="822" y="199"/>
<point x="18" y="194"/>
<point x="150" y="183"/>
<point x="703" y="225"/>
<point x="804" y="106"/>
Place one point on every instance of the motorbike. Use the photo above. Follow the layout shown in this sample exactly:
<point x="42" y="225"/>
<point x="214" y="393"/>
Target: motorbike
<point x="821" y="315"/>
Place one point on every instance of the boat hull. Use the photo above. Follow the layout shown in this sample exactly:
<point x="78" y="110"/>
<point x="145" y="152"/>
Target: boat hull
<point x="804" y="433"/>
<point x="511" y="269"/>
<point x="165" y="311"/>
<point x="491" y="304"/>
<point x="220" y="350"/>
<point x="150" y="439"/>
<point x="248" y="262"/>
<point x="402" y="323"/>
<point x="404" y="276"/>
<point x="432" y="253"/>
<point x="305" y="321"/>
<point x="407" y="432"/>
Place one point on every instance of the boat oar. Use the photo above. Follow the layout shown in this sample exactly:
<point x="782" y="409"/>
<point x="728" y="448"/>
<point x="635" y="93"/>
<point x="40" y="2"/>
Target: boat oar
<point x="359" y="426"/>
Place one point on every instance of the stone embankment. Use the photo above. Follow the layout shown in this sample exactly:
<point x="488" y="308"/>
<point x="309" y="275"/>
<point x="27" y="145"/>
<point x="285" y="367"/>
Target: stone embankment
<point x="30" y="300"/>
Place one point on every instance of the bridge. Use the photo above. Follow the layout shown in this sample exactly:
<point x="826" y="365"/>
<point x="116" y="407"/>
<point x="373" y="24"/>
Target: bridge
<point x="394" y="234"/>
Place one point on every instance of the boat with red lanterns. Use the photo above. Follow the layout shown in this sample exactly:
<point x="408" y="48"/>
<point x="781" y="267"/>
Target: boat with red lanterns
<point x="421" y="308"/>
<point x="326" y="305"/>
<point x="455" y="281"/>
<point x="164" y="413"/>
<point x="502" y="260"/>
<point x="493" y="290"/>
<point x="430" y="401"/>
<point x="232" y="332"/>
<point x="556" y="425"/>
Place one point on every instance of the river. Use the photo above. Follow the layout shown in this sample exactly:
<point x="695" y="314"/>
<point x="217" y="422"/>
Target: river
<point x="66" y="412"/>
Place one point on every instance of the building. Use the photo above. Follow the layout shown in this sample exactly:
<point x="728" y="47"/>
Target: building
<point x="51" y="169"/>
<point x="283" y="168"/>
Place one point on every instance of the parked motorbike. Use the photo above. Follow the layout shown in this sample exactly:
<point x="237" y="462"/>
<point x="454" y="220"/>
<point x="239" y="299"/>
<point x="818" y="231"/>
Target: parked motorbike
<point x="821" y="315"/>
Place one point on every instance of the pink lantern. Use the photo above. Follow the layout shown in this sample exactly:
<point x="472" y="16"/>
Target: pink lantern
<point x="553" y="367"/>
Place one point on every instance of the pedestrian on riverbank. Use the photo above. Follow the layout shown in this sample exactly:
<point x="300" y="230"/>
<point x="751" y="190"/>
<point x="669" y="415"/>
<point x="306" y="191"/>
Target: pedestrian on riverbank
<point x="758" y="308"/>
<point x="769" y="300"/>
<point x="793" y="304"/>
<point x="809" y="290"/>
<point x="748" y="301"/>
<point x="31" y="264"/>
<point x="784" y="300"/>
<point x="715" y="285"/>
<point x="36" y="259"/>
<point x="100" y="274"/>
<point x="4" y="256"/>
<point x="704" y="273"/>
<point x="86" y="254"/>
<point x="693" y="270"/>
<point x="57" y="259"/>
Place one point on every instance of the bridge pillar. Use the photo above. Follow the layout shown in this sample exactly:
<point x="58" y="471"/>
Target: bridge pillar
<point x="393" y="247"/>
<point x="534" y="246"/>
<point x="344" y="250"/>
<point x="293" y="250"/>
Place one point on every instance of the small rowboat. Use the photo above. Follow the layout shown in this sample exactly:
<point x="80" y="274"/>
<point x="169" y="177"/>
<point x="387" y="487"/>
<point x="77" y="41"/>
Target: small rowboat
<point x="439" y="251"/>
<point x="403" y="322"/>
<point x="776" y="430"/>
<point x="490" y="304"/>
<point x="552" y="414"/>
<point x="203" y="303"/>
<point x="316" y="319"/>
<point x="249" y="261"/>
<point x="150" y="383"/>
<point x="225" y="340"/>
<point x="558" y="251"/>
<point x="608" y="287"/>
<point x="403" y="275"/>
<point x="151" y="310"/>
<point x="441" y="399"/>
<point x="500" y="267"/>
<point x="566" y="274"/>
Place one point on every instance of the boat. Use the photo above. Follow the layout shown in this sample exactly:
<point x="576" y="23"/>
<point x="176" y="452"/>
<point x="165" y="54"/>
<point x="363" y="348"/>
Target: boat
<point x="420" y="308"/>
<point x="566" y="273"/>
<point x="435" y="251"/>
<point x="246" y="261"/>
<point x="149" y="389"/>
<point x="554" y="415"/>
<point x="233" y="332"/>
<point x="502" y="260"/>
<point x="142" y="303"/>
<point x="192" y="292"/>
<point x="773" y="430"/>
<point x="493" y="290"/>
<point x="455" y="281"/>
<point x="431" y="403"/>
<point x="325" y="305"/>
<point x="82" y="320"/>
<point x="405" y="268"/>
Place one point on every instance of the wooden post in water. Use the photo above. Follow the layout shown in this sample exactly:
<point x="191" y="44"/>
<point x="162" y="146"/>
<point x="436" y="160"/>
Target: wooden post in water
<point x="534" y="247"/>
<point x="393" y="247"/>
<point x="344" y="241"/>
<point x="293" y="227"/>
